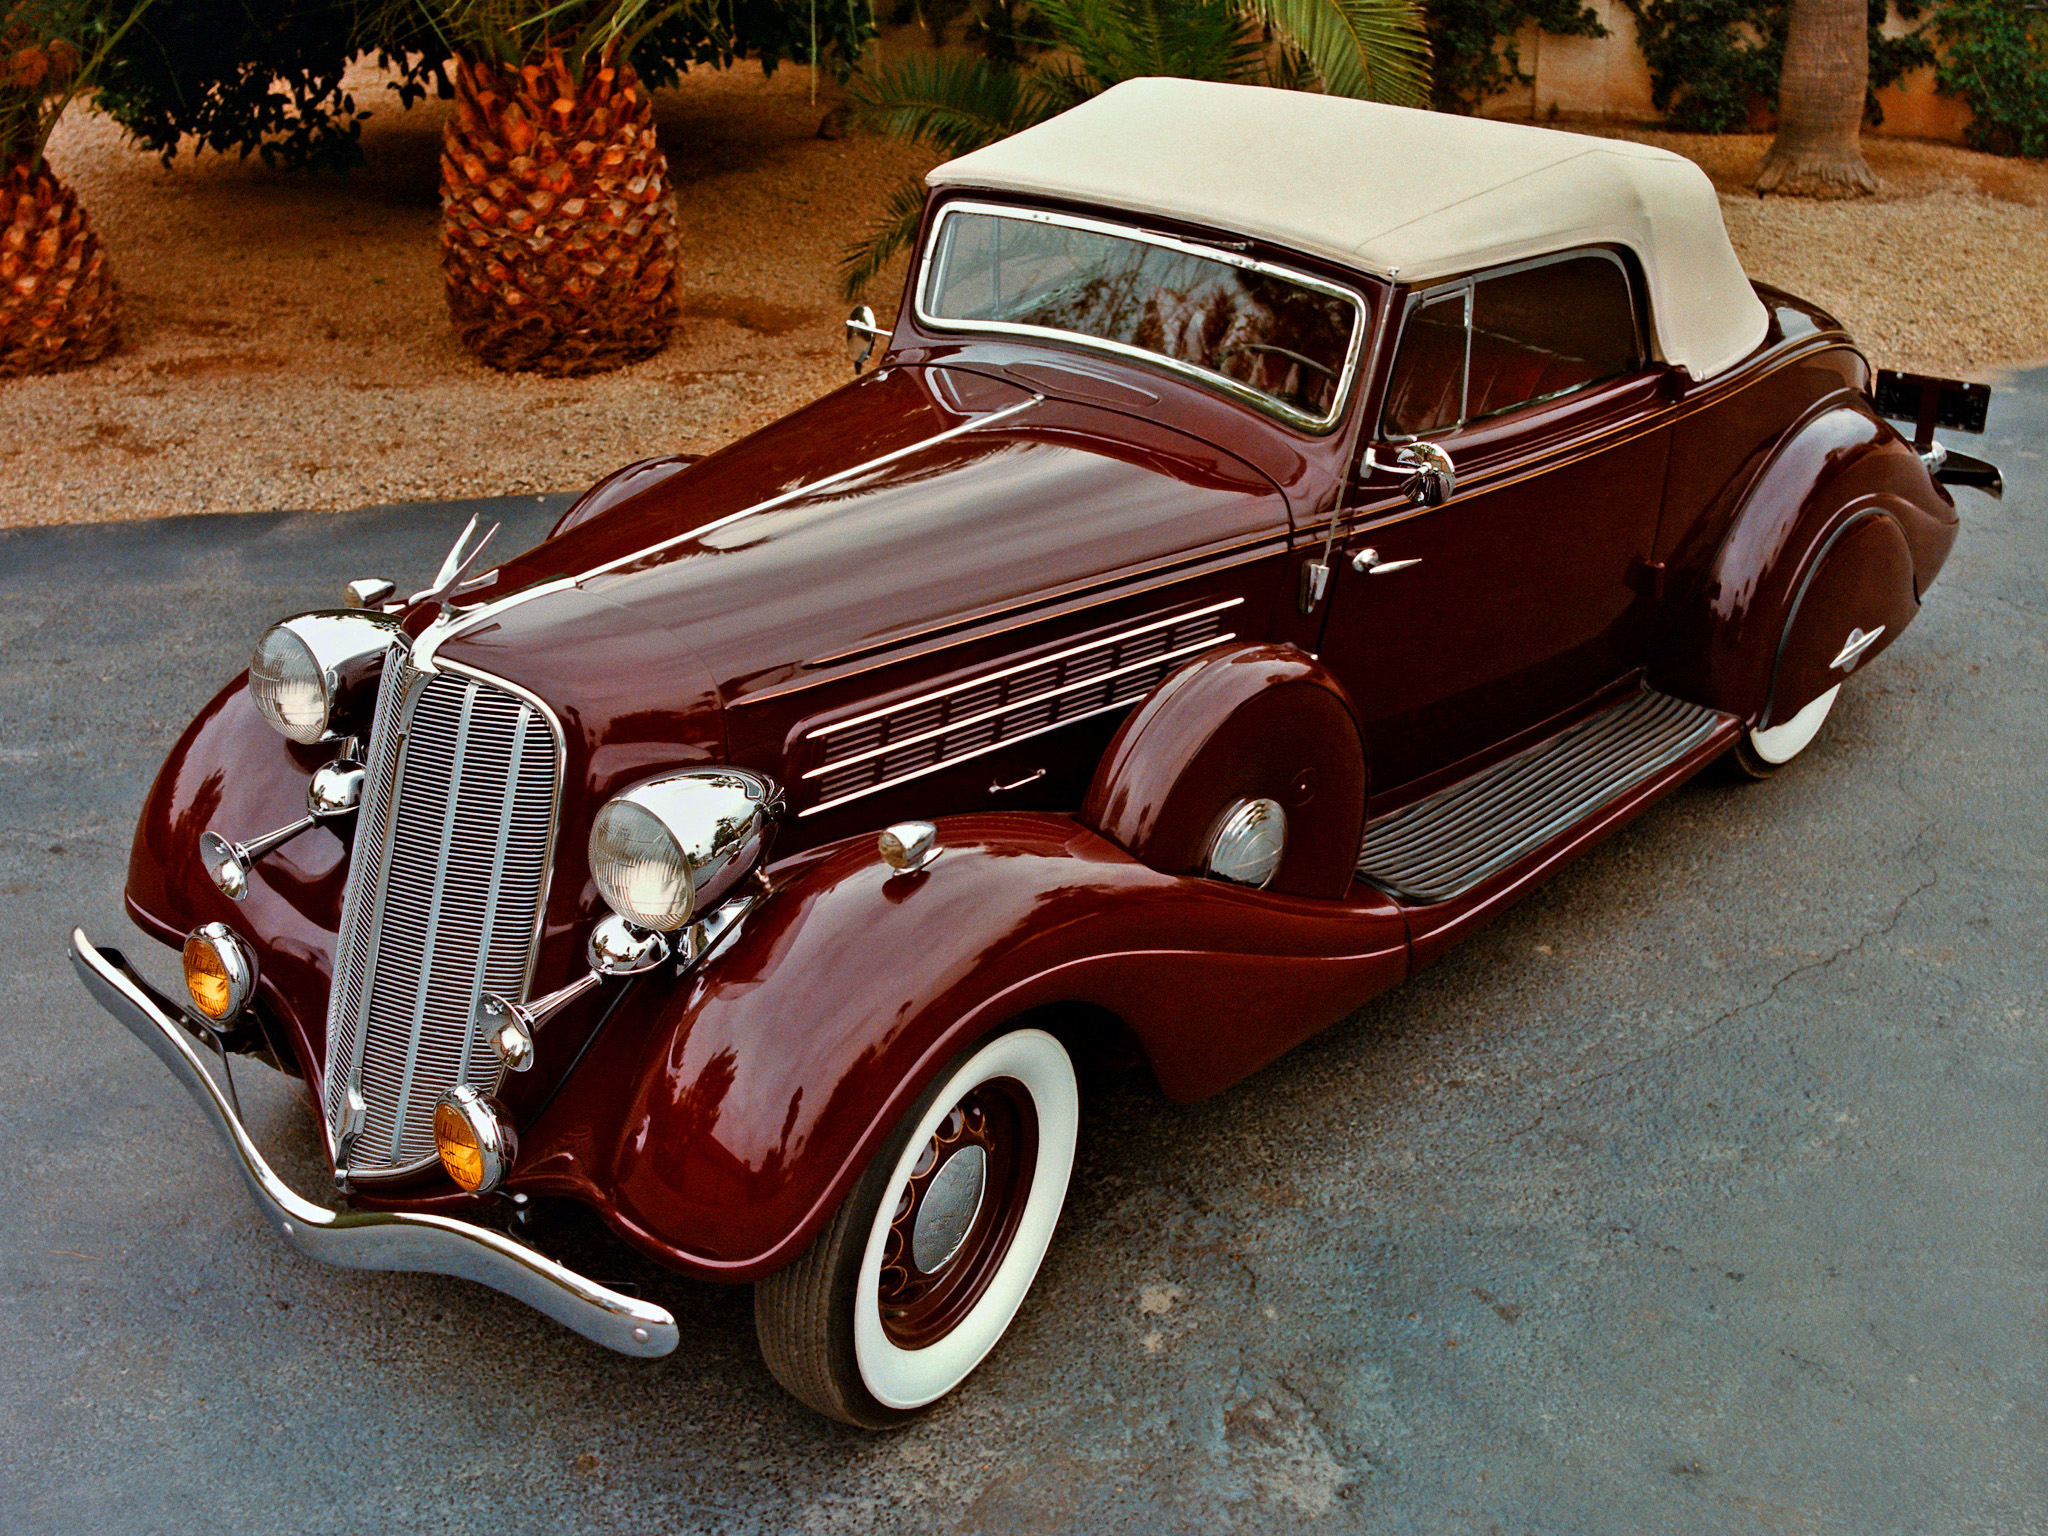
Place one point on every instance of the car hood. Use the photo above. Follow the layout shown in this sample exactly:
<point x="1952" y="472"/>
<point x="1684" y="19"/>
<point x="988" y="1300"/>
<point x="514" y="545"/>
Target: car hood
<point x="912" y="504"/>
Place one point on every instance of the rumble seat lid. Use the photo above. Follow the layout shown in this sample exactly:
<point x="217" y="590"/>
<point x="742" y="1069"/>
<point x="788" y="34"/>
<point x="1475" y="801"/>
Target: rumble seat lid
<point x="1405" y="194"/>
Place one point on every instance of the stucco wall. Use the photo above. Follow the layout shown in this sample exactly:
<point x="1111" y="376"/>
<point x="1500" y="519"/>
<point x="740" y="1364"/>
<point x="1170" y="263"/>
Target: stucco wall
<point x="1606" y="77"/>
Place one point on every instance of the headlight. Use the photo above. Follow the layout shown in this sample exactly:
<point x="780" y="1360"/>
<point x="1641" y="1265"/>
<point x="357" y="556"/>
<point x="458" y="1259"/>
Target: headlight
<point x="311" y="675"/>
<point x="665" y="850"/>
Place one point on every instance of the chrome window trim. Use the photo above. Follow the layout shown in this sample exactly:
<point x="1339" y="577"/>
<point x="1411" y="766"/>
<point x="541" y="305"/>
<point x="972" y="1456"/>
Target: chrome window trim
<point x="1421" y="298"/>
<point x="1166" y="658"/>
<point x="1360" y="307"/>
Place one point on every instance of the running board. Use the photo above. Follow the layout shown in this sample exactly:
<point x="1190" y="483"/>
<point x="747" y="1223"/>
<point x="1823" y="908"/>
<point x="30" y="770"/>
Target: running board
<point x="1443" y="846"/>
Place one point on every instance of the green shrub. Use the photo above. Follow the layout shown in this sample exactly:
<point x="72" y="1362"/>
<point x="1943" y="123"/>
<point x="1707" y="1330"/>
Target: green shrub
<point x="1713" y="61"/>
<point x="1995" y="59"/>
<point x="1472" y="44"/>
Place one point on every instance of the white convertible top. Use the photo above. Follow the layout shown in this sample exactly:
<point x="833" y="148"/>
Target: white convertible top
<point x="1405" y="194"/>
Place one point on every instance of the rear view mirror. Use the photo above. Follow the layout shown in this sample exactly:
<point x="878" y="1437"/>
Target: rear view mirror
<point x="862" y="334"/>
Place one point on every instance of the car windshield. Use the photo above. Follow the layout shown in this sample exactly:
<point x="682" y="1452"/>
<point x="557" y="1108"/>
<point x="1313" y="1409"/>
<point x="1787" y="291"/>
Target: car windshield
<point x="1286" y="340"/>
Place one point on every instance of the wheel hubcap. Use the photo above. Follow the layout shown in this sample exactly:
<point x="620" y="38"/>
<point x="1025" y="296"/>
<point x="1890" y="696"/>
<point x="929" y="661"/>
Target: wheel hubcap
<point x="957" y="1212"/>
<point x="948" y="1209"/>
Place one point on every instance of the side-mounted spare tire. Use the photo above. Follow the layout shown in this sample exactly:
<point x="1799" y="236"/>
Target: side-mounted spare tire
<point x="1233" y="732"/>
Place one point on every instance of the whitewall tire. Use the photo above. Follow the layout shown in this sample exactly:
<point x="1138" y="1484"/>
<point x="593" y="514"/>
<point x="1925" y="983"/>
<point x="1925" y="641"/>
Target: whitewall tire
<point x="1762" y="753"/>
<point x="925" y="1265"/>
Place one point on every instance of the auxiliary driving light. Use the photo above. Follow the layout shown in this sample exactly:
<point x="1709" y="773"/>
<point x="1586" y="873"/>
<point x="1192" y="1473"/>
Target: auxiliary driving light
<point x="220" y="972"/>
<point x="475" y="1143"/>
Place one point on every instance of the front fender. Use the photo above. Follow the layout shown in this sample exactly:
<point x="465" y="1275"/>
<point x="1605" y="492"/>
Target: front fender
<point x="757" y="1093"/>
<point x="1842" y="463"/>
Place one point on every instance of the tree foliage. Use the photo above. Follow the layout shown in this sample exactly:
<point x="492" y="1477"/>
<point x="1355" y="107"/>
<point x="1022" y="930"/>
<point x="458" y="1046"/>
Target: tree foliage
<point x="1473" y="49"/>
<point x="1712" y="62"/>
<point x="52" y="52"/>
<point x="1372" y="49"/>
<point x="266" y="76"/>
<point x="1995" y="59"/>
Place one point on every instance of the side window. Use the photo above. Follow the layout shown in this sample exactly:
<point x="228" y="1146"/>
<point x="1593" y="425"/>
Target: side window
<point x="1427" y="391"/>
<point x="1546" y="331"/>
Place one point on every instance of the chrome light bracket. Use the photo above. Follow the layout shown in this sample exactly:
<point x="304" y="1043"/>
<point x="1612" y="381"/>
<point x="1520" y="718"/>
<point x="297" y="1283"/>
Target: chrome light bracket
<point x="335" y="790"/>
<point x="368" y="592"/>
<point x="239" y="961"/>
<point x="696" y="942"/>
<point x="616" y="948"/>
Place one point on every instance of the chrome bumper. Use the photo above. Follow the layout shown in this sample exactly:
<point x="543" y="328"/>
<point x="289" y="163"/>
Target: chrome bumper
<point x="371" y="1239"/>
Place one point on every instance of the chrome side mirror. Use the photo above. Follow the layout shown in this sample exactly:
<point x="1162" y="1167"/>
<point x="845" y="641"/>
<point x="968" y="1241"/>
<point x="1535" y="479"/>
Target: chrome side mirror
<point x="862" y="336"/>
<point x="1435" y="479"/>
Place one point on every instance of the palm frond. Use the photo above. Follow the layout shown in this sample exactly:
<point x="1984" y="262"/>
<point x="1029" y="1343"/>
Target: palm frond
<point x="1117" y="40"/>
<point x="514" y="33"/>
<point x="956" y="105"/>
<point x="1372" y="49"/>
<point x="860" y="262"/>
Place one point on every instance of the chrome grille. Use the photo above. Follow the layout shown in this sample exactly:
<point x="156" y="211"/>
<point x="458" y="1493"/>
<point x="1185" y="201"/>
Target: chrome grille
<point x="443" y="902"/>
<point x="936" y="730"/>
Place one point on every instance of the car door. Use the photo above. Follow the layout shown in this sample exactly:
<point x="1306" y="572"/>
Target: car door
<point x="1462" y="625"/>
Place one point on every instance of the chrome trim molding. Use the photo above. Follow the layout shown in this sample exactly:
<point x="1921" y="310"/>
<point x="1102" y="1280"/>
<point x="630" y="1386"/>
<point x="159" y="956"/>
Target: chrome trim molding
<point x="442" y="630"/>
<point x="1063" y="688"/>
<point x="385" y="1240"/>
<point x="1360" y="308"/>
<point x="1859" y="641"/>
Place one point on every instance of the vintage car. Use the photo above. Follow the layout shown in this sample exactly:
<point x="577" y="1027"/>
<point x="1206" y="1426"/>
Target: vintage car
<point x="1279" y="533"/>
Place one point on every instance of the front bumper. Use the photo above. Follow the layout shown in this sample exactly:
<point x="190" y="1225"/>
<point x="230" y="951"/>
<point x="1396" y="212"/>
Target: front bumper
<point x="371" y="1239"/>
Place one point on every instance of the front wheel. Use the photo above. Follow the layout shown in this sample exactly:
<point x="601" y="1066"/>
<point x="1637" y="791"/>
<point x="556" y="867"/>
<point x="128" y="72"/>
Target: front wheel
<point x="921" y="1270"/>
<point x="1759" y="754"/>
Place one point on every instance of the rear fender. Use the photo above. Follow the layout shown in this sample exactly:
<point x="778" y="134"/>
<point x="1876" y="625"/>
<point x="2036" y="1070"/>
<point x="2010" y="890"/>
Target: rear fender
<point x="1843" y="465"/>
<point x="738" y="1112"/>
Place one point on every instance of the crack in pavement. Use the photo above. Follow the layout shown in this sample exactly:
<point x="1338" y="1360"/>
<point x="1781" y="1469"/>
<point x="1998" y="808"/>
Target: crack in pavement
<point x="1581" y="1085"/>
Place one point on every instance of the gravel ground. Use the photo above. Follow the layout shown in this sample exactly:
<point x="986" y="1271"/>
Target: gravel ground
<point x="286" y="346"/>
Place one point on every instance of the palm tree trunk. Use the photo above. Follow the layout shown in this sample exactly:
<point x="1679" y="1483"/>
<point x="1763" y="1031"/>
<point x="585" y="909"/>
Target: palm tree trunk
<point x="1820" y="104"/>
<point x="558" y="230"/>
<point x="58" y="303"/>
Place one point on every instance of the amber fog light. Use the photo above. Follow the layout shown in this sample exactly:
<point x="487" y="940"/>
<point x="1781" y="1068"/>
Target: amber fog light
<point x="220" y="972"/>
<point x="475" y="1143"/>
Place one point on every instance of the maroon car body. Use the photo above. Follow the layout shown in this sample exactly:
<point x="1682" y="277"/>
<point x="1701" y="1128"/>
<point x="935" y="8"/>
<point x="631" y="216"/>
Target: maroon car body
<point x="1057" y="600"/>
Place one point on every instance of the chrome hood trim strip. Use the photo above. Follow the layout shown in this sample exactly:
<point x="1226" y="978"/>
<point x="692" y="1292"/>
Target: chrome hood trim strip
<point x="444" y="629"/>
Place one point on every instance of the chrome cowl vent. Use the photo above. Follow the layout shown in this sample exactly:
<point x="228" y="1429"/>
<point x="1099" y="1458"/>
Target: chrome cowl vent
<point x="444" y="898"/>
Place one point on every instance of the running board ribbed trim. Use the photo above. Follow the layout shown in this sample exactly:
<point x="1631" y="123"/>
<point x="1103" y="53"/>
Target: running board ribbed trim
<point x="1443" y="846"/>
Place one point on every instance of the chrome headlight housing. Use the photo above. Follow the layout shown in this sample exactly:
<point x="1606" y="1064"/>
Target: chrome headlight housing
<point x="665" y="850"/>
<point x="311" y="676"/>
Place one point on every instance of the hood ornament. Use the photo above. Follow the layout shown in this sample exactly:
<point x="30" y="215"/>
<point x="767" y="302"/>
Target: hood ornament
<point x="461" y="557"/>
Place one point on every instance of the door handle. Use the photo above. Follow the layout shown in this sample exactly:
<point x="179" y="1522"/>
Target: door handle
<point x="1367" y="562"/>
<point x="998" y="787"/>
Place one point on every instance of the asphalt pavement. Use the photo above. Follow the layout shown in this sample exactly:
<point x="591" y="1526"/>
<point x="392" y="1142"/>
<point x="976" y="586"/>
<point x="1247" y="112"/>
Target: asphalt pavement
<point x="1703" y="1193"/>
